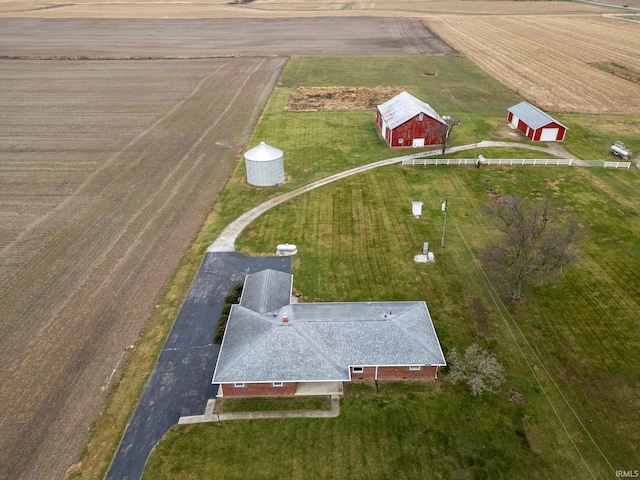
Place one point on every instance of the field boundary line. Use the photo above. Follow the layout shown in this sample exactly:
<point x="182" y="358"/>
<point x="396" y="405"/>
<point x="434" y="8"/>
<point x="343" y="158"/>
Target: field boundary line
<point x="501" y="307"/>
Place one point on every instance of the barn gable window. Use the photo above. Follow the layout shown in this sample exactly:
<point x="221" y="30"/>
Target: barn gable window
<point x="421" y="117"/>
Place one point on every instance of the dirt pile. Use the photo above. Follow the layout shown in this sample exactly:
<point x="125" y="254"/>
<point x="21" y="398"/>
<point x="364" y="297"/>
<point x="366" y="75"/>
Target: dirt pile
<point x="318" y="99"/>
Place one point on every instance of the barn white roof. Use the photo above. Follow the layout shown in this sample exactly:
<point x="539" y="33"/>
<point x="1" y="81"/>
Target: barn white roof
<point x="532" y="116"/>
<point x="403" y="107"/>
<point x="320" y="341"/>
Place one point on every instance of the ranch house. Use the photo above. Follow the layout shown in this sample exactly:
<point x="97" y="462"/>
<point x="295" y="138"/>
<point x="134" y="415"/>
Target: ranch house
<point x="406" y="121"/>
<point x="535" y="124"/>
<point x="272" y="347"/>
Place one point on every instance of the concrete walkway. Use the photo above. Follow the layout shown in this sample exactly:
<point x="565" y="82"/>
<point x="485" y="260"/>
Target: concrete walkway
<point x="227" y="238"/>
<point x="210" y="416"/>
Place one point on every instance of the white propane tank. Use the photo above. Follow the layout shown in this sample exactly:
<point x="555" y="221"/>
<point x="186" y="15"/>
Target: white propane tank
<point x="286" y="250"/>
<point x="619" y="151"/>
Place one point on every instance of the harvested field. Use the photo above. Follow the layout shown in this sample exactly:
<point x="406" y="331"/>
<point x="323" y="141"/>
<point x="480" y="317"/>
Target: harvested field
<point x="286" y="9"/>
<point x="123" y="39"/>
<point x="107" y="170"/>
<point x="550" y="60"/>
<point x="317" y="99"/>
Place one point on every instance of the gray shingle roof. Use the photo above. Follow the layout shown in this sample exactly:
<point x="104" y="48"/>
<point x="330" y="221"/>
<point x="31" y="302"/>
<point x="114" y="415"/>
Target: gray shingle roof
<point x="321" y="341"/>
<point x="266" y="290"/>
<point x="532" y="116"/>
<point x="403" y="107"/>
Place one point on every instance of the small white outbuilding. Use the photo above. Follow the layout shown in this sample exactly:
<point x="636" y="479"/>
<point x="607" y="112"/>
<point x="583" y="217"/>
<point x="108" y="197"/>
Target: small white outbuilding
<point x="265" y="165"/>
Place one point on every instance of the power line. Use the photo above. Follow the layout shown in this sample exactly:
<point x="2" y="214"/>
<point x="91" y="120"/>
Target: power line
<point x="500" y="306"/>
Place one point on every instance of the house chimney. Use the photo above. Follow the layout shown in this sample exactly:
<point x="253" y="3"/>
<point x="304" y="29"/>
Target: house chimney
<point x="285" y="318"/>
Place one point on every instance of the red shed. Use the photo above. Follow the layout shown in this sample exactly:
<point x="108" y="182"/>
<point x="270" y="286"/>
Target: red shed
<point x="535" y="124"/>
<point x="406" y="121"/>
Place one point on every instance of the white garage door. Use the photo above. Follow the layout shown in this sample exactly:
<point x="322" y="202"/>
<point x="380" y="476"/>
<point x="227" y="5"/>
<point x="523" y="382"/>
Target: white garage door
<point x="549" y="134"/>
<point x="514" y="121"/>
<point x="418" y="142"/>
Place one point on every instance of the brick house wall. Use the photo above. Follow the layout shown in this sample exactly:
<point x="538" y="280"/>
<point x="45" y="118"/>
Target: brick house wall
<point x="368" y="373"/>
<point x="405" y="373"/>
<point x="395" y="373"/>
<point x="258" y="390"/>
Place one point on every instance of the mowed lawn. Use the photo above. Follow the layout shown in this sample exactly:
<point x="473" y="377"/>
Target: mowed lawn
<point x="357" y="239"/>
<point x="570" y="348"/>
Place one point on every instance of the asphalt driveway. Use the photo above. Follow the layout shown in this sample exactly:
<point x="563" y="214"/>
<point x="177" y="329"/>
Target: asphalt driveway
<point x="180" y="383"/>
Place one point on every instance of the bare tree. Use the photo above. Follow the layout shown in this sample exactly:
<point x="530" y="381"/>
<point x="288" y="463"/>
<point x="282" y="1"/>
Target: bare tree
<point x="478" y="369"/>
<point x="535" y="246"/>
<point x="446" y="133"/>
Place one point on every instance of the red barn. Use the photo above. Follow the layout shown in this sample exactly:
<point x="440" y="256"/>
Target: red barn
<point x="406" y="121"/>
<point x="535" y="124"/>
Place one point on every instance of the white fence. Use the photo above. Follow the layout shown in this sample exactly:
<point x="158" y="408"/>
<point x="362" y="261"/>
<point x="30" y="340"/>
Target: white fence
<point x="604" y="163"/>
<point x="489" y="161"/>
<point x="617" y="164"/>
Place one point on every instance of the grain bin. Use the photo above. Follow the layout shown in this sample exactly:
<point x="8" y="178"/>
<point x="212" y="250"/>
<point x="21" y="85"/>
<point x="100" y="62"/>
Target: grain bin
<point x="265" y="165"/>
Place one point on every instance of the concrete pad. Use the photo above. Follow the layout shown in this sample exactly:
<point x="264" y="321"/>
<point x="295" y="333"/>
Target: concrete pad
<point x="319" y="388"/>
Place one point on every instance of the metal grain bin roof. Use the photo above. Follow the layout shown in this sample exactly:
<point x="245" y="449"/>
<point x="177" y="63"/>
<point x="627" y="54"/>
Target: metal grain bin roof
<point x="263" y="153"/>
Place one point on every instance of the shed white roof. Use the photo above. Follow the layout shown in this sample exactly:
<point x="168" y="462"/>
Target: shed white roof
<point x="321" y="341"/>
<point x="263" y="153"/>
<point x="532" y="116"/>
<point x="403" y="107"/>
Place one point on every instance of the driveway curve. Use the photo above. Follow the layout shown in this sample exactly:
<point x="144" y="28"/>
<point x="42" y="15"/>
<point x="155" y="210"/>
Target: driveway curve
<point x="227" y="238"/>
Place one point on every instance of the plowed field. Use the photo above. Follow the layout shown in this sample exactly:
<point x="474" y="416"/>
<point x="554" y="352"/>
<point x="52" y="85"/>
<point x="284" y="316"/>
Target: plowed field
<point x="551" y="60"/>
<point x="127" y="38"/>
<point x="107" y="170"/>
<point x="115" y="138"/>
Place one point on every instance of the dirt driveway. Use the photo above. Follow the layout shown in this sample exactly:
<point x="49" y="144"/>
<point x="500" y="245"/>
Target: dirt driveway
<point x="107" y="170"/>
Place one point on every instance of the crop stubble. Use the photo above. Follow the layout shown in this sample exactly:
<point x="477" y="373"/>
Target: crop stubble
<point x="143" y="150"/>
<point x="547" y="59"/>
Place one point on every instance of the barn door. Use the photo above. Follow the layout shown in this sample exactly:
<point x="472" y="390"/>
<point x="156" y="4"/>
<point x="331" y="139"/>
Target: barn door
<point x="418" y="142"/>
<point x="549" y="134"/>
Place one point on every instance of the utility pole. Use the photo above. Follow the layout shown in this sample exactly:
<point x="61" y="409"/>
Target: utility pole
<point x="444" y="228"/>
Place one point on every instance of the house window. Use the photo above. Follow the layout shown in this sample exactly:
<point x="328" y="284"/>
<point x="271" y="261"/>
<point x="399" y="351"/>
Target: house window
<point x="401" y="141"/>
<point x="414" y="367"/>
<point x="278" y="384"/>
<point x="238" y="385"/>
<point x="358" y="369"/>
